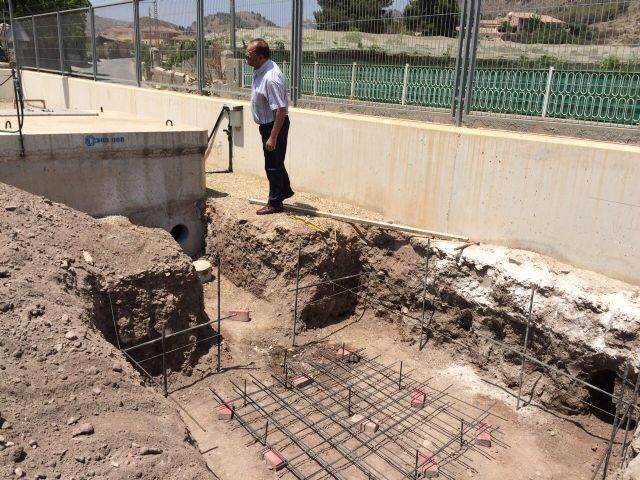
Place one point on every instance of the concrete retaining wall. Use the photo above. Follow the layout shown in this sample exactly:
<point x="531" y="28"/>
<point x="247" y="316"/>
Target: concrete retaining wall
<point x="6" y="89"/>
<point x="575" y="200"/>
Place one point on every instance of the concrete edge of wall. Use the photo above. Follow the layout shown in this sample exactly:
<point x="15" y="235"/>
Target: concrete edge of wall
<point x="569" y="198"/>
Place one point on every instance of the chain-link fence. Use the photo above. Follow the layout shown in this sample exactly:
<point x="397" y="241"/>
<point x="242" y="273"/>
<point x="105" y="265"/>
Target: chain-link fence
<point x="574" y="61"/>
<point x="577" y="61"/>
<point x="115" y="43"/>
<point x="396" y="52"/>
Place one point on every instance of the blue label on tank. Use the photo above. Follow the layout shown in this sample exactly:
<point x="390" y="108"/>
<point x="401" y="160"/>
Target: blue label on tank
<point x="91" y="140"/>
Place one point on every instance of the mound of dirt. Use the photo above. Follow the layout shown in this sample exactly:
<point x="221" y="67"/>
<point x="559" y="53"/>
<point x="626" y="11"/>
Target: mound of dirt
<point x="71" y="406"/>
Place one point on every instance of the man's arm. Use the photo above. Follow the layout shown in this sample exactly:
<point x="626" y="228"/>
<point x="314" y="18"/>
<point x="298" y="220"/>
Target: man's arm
<point x="272" y="141"/>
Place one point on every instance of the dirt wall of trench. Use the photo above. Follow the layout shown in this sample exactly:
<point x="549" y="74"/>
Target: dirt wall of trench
<point x="71" y="404"/>
<point x="582" y="323"/>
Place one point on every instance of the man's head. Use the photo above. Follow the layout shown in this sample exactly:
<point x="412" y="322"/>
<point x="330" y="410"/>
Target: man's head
<point x="257" y="52"/>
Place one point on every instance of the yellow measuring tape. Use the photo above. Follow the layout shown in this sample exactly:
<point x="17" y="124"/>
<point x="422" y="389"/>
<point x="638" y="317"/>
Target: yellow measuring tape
<point x="308" y="223"/>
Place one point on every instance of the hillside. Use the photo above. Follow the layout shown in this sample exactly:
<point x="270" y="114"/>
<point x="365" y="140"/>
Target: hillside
<point x="615" y="22"/>
<point x="105" y="23"/>
<point x="146" y="22"/>
<point x="221" y="22"/>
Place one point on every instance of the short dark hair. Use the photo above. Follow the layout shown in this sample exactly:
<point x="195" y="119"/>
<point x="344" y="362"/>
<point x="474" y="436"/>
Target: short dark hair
<point x="262" y="47"/>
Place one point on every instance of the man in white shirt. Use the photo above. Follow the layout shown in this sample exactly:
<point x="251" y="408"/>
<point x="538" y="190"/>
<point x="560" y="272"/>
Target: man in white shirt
<point x="269" y="108"/>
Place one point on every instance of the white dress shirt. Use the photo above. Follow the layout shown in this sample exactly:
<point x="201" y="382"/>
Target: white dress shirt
<point x="268" y="93"/>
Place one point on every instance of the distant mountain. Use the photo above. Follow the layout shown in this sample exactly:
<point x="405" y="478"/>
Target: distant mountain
<point x="221" y="22"/>
<point x="569" y="11"/>
<point x="103" y="24"/>
<point x="146" y="22"/>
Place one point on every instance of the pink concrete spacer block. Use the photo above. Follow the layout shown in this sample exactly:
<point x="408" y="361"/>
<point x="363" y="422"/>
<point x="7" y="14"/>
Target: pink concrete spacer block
<point x="364" y="424"/>
<point x="347" y="355"/>
<point x="483" y="435"/>
<point x="427" y="466"/>
<point x="357" y="420"/>
<point x="483" y="439"/>
<point x="240" y="315"/>
<point x="369" y="427"/>
<point x="301" y="381"/>
<point x="417" y="398"/>
<point x="274" y="460"/>
<point x="225" y="413"/>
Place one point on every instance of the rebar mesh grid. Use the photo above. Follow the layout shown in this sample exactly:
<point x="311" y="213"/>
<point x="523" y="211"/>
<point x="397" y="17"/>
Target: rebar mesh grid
<point x="316" y="429"/>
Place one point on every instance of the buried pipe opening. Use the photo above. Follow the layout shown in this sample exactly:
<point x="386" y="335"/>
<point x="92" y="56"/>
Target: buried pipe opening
<point x="180" y="233"/>
<point x="602" y="405"/>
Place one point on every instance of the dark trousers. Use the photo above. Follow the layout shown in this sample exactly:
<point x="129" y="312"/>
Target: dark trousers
<point x="279" y="186"/>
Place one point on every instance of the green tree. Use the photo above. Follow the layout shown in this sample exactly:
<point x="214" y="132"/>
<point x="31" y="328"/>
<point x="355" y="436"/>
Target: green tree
<point x="75" y="41"/>
<point x="432" y="17"/>
<point x="32" y="7"/>
<point x="353" y="15"/>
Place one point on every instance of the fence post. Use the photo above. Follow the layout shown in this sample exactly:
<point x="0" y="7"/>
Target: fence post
<point x="405" y="84"/>
<point x="473" y="51"/>
<point x="353" y="80"/>
<point x="60" y="50"/>
<point x="242" y="73"/>
<point x="136" y="41"/>
<point x="292" y="51"/>
<point x="94" y="50"/>
<point x="315" y="78"/>
<point x="465" y="60"/>
<point x="459" y="52"/>
<point x="547" y="92"/>
<point x="299" y="58"/>
<point x="35" y="41"/>
<point x="200" y="44"/>
<point x="232" y="27"/>
<point x="295" y="72"/>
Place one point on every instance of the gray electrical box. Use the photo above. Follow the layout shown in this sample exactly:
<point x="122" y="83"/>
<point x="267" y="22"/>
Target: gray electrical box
<point x="235" y="115"/>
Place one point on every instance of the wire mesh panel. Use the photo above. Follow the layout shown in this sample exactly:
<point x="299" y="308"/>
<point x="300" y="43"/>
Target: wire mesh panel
<point x="46" y="41"/>
<point x="221" y="69"/>
<point x="115" y="43"/>
<point x="572" y="61"/>
<point x="24" y="42"/>
<point x="76" y="41"/>
<point x="230" y="25"/>
<point x="398" y="52"/>
<point x="168" y="36"/>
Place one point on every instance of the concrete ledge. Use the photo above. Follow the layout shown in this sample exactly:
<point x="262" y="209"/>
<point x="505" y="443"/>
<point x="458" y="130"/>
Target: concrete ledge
<point x="575" y="200"/>
<point x="114" y="164"/>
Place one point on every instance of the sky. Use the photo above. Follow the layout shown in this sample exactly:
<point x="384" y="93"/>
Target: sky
<point x="182" y="12"/>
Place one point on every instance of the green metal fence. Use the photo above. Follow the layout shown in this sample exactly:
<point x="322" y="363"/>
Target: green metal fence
<point x="600" y="96"/>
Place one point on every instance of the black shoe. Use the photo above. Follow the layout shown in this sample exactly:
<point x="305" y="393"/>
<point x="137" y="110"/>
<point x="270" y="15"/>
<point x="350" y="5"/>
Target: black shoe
<point x="268" y="209"/>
